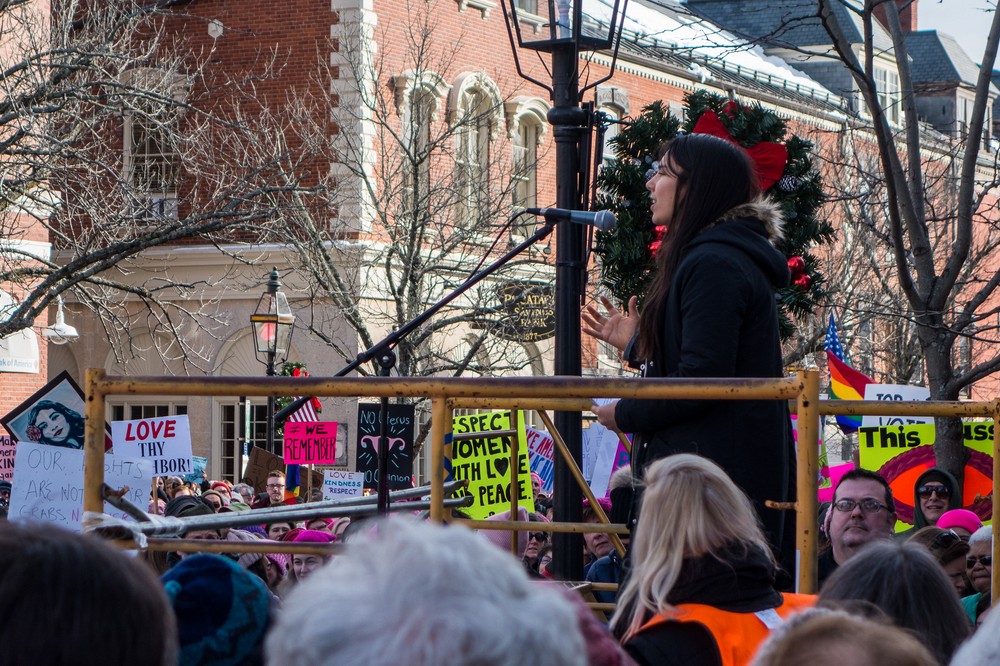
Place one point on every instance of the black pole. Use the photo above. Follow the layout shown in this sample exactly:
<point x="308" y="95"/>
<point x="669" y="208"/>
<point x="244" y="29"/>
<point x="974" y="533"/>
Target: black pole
<point x="567" y="120"/>
<point x="270" y="404"/>
<point x="386" y="363"/>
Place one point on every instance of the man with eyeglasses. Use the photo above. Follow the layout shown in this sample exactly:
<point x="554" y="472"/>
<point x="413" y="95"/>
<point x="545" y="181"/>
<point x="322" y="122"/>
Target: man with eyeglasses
<point x="862" y="512"/>
<point x="275" y="495"/>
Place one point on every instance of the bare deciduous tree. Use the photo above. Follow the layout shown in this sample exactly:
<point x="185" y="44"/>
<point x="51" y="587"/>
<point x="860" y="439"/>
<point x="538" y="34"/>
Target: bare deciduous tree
<point x="423" y="178"/>
<point x="116" y="138"/>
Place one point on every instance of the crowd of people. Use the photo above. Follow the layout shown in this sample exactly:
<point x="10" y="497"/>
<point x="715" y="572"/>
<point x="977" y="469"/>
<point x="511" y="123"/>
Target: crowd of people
<point x="701" y="586"/>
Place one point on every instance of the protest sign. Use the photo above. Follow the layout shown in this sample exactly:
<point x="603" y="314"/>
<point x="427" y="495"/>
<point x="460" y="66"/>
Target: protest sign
<point x="261" y="463"/>
<point x="899" y="393"/>
<point x="48" y="484"/>
<point x="198" y="466"/>
<point x="165" y="441"/>
<point x="825" y="494"/>
<point x="485" y="462"/>
<point x="6" y="458"/>
<point x="338" y="483"/>
<point x="600" y="449"/>
<point x="310" y="442"/>
<point x="53" y="415"/>
<point x="541" y="452"/>
<point x="400" y="423"/>
<point x="902" y="453"/>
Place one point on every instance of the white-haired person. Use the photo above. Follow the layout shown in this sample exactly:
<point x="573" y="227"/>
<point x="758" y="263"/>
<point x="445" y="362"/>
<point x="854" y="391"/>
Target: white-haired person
<point x="423" y="595"/>
<point x="980" y="570"/>
<point x="701" y="590"/>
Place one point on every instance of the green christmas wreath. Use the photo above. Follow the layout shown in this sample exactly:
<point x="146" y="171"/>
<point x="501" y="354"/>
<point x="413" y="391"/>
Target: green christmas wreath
<point x="626" y="257"/>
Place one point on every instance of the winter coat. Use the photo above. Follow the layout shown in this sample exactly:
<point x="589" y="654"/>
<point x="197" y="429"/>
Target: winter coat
<point x="737" y="582"/>
<point x="721" y="320"/>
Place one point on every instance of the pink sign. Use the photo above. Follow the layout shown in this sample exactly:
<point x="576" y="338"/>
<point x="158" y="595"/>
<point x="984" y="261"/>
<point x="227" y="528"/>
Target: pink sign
<point x="6" y="458"/>
<point x="310" y="442"/>
<point x="837" y="471"/>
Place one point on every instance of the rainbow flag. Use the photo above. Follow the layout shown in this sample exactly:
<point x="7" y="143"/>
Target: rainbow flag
<point x="846" y="383"/>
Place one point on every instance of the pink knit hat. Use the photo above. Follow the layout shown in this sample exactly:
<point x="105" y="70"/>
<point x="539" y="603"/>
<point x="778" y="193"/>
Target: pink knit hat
<point x="313" y="536"/>
<point x="959" y="518"/>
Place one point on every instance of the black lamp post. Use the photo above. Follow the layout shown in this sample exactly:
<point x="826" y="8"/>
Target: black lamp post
<point x="273" y="323"/>
<point x="563" y="29"/>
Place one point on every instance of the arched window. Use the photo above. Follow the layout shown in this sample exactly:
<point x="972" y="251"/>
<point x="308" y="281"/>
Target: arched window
<point x="418" y="102"/>
<point x="476" y="117"/>
<point x="528" y="125"/>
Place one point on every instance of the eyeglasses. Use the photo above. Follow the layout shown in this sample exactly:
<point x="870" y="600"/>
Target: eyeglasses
<point x="946" y="539"/>
<point x="272" y="486"/>
<point x="538" y="536"/>
<point x="985" y="560"/>
<point x="926" y="491"/>
<point x="868" y="505"/>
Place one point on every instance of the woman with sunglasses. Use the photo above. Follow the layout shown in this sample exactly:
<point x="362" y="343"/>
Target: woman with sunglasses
<point x="947" y="547"/>
<point x="979" y="564"/>
<point x="701" y="591"/>
<point x="935" y="493"/>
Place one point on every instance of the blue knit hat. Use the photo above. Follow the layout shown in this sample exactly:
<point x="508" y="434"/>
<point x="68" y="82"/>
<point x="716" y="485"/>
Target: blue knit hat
<point x="222" y="611"/>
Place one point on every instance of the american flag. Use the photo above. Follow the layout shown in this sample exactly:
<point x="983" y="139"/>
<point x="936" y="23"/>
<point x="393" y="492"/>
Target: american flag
<point x="307" y="412"/>
<point x="832" y="342"/>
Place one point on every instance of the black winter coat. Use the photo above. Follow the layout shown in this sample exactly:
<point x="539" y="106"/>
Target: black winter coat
<point x="721" y="321"/>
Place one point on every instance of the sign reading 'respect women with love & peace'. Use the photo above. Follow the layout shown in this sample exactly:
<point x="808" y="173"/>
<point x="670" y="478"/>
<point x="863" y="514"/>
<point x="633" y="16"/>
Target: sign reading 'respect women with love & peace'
<point x="310" y="443"/>
<point x="339" y="483"/>
<point x="165" y="441"/>
<point x="48" y="484"/>
<point x="484" y="460"/>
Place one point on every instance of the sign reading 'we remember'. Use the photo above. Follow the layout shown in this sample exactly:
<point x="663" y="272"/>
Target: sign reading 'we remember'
<point x="310" y="443"/>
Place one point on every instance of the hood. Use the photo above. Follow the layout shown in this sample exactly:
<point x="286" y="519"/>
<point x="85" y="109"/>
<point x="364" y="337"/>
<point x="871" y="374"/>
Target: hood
<point x="945" y="477"/>
<point x="753" y="228"/>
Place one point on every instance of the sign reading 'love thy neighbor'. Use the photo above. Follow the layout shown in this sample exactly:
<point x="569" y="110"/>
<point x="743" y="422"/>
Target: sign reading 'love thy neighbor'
<point x="165" y="441"/>
<point x="485" y="462"/>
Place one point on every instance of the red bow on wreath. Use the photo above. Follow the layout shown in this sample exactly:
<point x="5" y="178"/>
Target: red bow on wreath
<point x="768" y="158"/>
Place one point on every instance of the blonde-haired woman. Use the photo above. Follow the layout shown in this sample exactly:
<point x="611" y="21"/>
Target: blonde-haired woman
<point x="701" y="591"/>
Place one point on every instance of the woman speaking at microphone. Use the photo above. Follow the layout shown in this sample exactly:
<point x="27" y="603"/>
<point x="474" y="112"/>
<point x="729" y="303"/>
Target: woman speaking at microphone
<point x="710" y="312"/>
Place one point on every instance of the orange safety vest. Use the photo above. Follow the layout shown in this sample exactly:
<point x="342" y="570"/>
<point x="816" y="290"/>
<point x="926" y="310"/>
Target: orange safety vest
<point x="738" y="635"/>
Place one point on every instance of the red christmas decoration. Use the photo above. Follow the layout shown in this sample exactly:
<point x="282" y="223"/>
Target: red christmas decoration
<point x="803" y="281"/>
<point x="658" y="232"/>
<point x="768" y="158"/>
<point x="797" y="266"/>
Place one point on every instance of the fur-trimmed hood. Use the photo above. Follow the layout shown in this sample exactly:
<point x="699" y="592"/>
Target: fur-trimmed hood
<point x="752" y="229"/>
<point x="764" y="209"/>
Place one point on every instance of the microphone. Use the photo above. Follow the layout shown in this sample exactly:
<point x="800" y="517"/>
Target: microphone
<point x="604" y="220"/>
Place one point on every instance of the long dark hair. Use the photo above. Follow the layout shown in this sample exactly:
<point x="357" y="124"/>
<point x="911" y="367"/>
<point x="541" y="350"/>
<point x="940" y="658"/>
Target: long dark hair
<point x="713" y="176"/>
<point x="74" y="421"/>
<point x="905" y="582"/>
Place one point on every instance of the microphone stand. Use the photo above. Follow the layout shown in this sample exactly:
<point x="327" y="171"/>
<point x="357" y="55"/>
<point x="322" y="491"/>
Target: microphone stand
<point x="383" y="352"/>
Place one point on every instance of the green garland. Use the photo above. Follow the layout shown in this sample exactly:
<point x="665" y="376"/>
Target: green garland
<point x="626" y="260"/>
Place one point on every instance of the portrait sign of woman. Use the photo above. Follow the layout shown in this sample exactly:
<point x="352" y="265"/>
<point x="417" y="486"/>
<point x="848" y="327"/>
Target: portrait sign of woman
<point x="55" y="424"/>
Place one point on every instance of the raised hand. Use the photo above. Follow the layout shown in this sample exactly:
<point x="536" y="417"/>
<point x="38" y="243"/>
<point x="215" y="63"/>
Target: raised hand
<point x="615" y="328"/>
